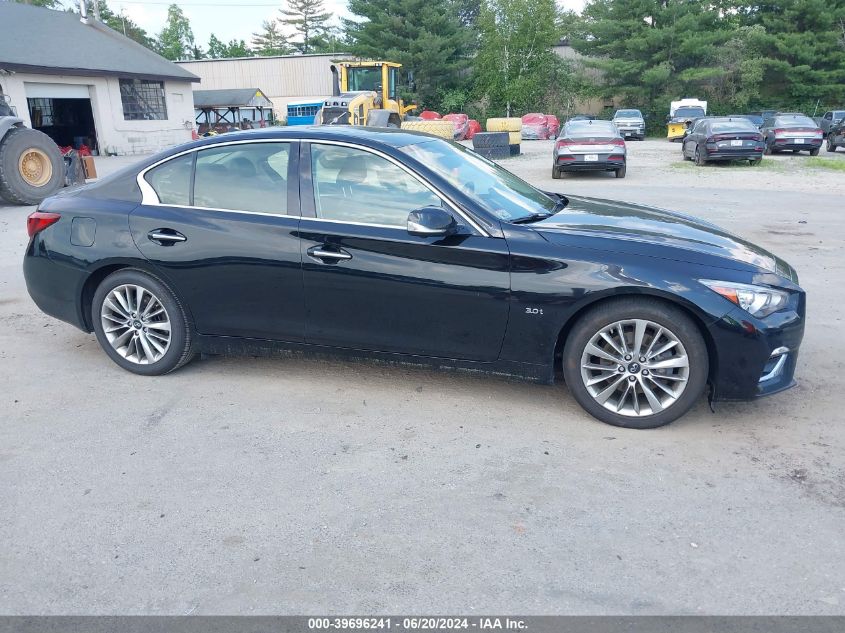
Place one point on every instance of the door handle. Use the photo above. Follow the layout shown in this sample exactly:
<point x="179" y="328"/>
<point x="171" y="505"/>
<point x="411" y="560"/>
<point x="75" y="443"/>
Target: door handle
<point x="318" y="252"/>
<point x="166" y="237"/>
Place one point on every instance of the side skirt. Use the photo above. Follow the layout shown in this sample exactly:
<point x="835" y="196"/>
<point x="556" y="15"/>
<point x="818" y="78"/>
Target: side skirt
<point x="233" y="346"/>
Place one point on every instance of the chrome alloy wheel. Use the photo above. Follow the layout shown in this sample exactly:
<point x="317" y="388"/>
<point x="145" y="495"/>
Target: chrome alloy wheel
<point x="635" y="367"/>
<point x="136" y="324"/>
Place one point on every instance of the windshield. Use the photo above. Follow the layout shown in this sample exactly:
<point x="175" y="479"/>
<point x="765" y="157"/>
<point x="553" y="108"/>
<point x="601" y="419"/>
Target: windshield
<point x="689" y="112"/>
<point x="633" y="114"/>
<point x="585" y="129"/>
<point x="794" y="121"/>
<point x="364" y="79"/>
<point x="496" y="189"/>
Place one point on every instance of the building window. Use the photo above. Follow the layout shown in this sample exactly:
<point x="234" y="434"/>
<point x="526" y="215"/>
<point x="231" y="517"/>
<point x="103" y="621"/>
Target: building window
<point x="143" y="100"/>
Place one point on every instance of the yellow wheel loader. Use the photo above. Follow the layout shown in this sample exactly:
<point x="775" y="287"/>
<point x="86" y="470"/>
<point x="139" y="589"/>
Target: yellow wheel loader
<point x="364" y="93"/>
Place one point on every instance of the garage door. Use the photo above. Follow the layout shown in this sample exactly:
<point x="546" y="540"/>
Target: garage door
<point x="56" y="91"/>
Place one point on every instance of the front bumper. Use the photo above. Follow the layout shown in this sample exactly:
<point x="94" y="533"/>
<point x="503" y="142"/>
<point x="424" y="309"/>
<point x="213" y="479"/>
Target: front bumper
<point x="628" y="131"/>
<point x="756" y="357"/>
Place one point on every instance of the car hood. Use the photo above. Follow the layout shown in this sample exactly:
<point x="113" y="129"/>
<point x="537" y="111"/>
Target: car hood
<point x="673" y="235"/>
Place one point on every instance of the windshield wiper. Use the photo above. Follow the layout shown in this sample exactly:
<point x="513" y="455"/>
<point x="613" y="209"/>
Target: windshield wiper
<point x="533" y="217"/>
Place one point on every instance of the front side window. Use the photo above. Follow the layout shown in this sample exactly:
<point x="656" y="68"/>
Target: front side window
<point x="497" y="190"/>
<point x="353" y="185"/>
<point x="143" y="100"/>
<point x="243" y="177"/>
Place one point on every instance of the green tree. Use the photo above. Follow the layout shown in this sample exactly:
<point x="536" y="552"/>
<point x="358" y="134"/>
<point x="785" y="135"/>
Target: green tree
<point x="176" y="39"/>
<point x="217" y="49"/>
<point x="425" y="36"/>
<point x="120" y="23"/>
<point x="309" y="21"/>
<point x="270" y="40"/>
<point x="516" y="70"/>
<point x="48" y="4"/>
<point x="802" y="45"/>
<point x="653" y="51"/>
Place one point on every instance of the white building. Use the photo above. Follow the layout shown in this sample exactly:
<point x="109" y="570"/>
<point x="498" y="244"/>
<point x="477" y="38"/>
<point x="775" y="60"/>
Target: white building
<point x="80" y="81"/>
<point x="282" y="78"/>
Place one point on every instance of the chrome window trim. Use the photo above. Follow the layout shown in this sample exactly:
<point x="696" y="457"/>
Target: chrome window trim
<point x="455" y="208"/>
<point x="150" y="198"/>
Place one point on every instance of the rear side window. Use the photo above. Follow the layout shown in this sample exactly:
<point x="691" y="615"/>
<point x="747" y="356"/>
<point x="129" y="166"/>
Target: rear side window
<point x="172" y="180"/>
<point x="243" y="177"/>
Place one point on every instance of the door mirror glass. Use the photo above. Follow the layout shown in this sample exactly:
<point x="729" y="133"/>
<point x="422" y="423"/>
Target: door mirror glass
<point x="431" y="222"/>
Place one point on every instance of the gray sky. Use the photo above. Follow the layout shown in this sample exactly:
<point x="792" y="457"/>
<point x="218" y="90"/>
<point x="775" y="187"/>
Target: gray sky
<point x="228" y="19"/>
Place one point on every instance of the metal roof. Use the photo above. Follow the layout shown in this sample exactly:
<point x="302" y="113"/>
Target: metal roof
<point x="45" y="41"/>
<point x="237" y="98"/>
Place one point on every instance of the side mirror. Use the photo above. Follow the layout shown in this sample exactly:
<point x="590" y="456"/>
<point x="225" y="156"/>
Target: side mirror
<point x="431" y="222"/>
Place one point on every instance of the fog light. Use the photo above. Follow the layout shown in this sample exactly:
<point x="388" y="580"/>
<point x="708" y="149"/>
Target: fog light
<point x="774" y="366"/>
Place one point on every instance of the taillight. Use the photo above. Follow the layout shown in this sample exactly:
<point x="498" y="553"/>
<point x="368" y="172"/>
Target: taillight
<point x="780" y="132"/>
<point x="618" y="142"/>
<point x="561" y="146"/>
<point x="40" y="220"/>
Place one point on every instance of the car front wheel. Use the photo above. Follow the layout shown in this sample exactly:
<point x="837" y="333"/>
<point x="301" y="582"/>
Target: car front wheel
<point x="140" y="323"/>
<point x="636" y="363"/>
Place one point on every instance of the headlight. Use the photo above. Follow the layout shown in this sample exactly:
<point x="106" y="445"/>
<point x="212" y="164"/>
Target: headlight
<point x="758" y="301"/>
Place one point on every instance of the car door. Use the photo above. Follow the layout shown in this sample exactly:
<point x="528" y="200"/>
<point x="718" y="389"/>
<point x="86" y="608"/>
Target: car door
<point x="380" y="288"/>
<point x="690" y="140"/>
<point x="219" y="223"/>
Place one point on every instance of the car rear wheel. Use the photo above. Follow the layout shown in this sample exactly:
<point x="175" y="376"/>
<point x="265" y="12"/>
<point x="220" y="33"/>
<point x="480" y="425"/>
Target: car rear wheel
<point x="557" y="174"/>
<point x="620" y="173"/>
<point x="830" y="147"/>
<point x="699" y="160"/>
<point x="636" y="363"/>
<point x="815" y="152"/>
<point x="141" y="324"/>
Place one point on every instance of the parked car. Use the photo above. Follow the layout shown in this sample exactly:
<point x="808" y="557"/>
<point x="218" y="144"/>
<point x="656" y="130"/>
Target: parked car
<point x="792" y="131"/>
<point x="630" y="123"/>
<point x="722" y="139"/>
<point x="409" y="248"/>
<point x="581" y="117"/>
<point x="756" y="119"/>
<point x="765" y="114"/>
<point x="589" y="146"/>
<point x="836" y="137"/>
<point x="829" y="120"/>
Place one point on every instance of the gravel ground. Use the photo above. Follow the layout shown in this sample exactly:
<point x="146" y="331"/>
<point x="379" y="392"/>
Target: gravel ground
<point x="301" y="486"/>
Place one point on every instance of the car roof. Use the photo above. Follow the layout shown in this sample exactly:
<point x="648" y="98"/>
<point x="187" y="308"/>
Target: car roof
<point x="389" y="136"/>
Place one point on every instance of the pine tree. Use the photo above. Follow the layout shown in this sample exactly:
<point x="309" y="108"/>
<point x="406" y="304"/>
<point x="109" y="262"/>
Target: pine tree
<point x="309" y="21"/>
<point x="176" y="40"/>
<point x="425" y="36"/>
<point x="270" y="40"/>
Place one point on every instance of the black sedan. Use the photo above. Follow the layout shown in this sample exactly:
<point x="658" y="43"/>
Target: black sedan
<point x="723" y="139"/>
<point x="792" y="132"/>
<point x="409" y="248"/>
<point x="589" y="146"/>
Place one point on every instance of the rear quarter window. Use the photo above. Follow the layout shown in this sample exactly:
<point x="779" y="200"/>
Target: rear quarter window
<point x="172" y="180"/>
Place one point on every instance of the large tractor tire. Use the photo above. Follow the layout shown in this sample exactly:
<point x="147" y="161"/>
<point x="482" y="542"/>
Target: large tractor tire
<point x="484" y="140"/>
<point x="509" y="124"/>
<point x="31" y="167"/>
<point x="494" y="153"/>
<point x="443" y="129"/>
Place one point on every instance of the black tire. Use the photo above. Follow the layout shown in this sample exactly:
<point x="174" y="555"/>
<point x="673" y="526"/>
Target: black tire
<point x="180" y="349"/>
<point x="830" y="147"/>
<point x="620" y="173"/>
<point x="484" y="140"/>
<point x="815" y="152"/>
<point x="557" y="174"/>
<point x="767" y="150"/>
<point x="699" y="161"/>
<point x="494" y="153"/>
<point x="13" y="186"/>
<point x="658" y="312"/>
<point x="514" y="149"/>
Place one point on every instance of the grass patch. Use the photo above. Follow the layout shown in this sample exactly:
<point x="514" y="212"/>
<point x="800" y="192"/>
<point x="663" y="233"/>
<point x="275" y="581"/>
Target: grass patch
<point x="826" y="163"/>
